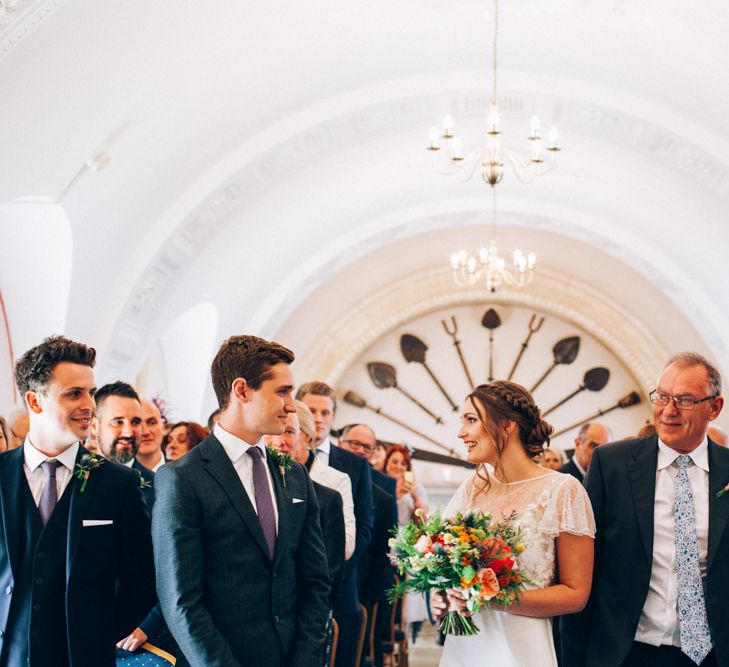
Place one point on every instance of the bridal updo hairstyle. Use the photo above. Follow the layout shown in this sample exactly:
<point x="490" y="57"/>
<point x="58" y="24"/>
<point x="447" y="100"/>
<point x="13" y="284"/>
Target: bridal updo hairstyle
<point x="501" y="401"/>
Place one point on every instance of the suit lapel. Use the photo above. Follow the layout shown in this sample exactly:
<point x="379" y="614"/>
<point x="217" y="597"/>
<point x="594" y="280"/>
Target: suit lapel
<point x="282" y="501"/>
<point x="642" y="479"/>
<point x="220" y="467"/>
<point x="80" y="502"/>
<point x="11" y="479"/>
<point x="718" y="507"/>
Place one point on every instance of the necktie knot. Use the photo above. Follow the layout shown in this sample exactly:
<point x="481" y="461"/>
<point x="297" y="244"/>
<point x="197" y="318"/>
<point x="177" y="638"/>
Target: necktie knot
<point x="49" y="468"/>
<point x="255" y="453"/>
<point x="683" y="461"/>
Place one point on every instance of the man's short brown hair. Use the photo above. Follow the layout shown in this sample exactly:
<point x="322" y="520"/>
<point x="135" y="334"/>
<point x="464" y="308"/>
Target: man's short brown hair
<point x="317" y="388"/>
<point x="33" y="370"/>
<point x="247" y="357"/>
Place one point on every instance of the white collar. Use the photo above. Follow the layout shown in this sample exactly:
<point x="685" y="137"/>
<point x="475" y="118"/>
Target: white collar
<point x="234" y="446"/>
<point x="325" y="447"/>
<point x="34" y="457"/>
<point x="130" y="463"/>
<point x="700" y="455"/>
<point x="578" y="466"/>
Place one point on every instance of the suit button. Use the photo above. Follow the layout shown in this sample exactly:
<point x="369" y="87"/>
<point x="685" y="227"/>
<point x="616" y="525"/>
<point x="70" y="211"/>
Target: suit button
<point x="275" y="620"/>
<point x="41" y="555"/>
<point x="8" y="590"/>
<point x="39" y="580"/>
<point x="36" y="607"/>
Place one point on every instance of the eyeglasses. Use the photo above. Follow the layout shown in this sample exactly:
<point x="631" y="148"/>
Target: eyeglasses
<point x="356" y="444"/>
<point x="681" y="402"/>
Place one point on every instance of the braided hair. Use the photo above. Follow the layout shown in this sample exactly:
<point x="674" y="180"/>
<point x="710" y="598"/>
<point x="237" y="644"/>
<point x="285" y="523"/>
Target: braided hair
<point x="501" y="401"/>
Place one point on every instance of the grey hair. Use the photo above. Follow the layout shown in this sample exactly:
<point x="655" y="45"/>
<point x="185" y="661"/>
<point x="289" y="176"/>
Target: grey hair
<point x="696" y="359"/>
<point x="584" y="428"/>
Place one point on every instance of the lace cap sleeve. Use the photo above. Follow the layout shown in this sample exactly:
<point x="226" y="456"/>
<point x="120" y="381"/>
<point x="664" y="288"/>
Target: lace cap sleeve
<point x="568" y="509"/>
<point x="459" y="501"/>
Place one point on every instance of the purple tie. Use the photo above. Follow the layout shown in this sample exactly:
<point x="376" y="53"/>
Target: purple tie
<point x="264" y="503"/>
<point x="50" y="492"/>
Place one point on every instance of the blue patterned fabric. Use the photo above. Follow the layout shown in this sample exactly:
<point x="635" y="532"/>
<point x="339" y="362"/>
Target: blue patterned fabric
<point x="692" y="620"/>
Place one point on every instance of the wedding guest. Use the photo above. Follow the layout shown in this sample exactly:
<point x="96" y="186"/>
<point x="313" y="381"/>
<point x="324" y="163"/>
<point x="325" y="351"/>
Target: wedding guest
<point x="378" y="458"/>
<point x="319" y="398"/>
<point x="553" y="458"/>
<point x="19" y="424"/>
<point x="360" y="439"/>
<point x="660" y="510"/>
<point x="410" y="494"/>
<point x="76" y="554"/>
<point x="718" y="435"/>
<point x="150" y="453"/>
<point x="590" y="436"/>
<point x="241" y="565"/>
<point x="118" y="429"/>
<point x="183" y="437"/>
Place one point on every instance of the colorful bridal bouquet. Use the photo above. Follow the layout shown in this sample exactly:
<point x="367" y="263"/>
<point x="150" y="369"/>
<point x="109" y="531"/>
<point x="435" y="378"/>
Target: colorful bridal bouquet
<point x="472" y="553"/>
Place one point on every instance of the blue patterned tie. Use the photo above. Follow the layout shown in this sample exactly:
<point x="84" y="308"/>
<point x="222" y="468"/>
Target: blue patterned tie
<point x="692" y="620"/>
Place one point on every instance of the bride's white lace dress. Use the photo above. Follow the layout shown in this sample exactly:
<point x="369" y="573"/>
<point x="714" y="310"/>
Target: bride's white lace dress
<point x="545" y="506"/>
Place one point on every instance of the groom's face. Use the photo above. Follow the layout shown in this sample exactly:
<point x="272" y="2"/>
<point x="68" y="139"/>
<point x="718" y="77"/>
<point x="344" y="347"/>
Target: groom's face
<point x="270" y="405"/>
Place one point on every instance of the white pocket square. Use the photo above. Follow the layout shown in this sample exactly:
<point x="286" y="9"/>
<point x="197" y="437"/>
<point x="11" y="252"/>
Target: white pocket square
<point x="296" y="500"/>
<point x="96" y="522"/>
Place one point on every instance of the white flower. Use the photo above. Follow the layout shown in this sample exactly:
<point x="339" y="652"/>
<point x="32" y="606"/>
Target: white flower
<point x="423" y="544"/>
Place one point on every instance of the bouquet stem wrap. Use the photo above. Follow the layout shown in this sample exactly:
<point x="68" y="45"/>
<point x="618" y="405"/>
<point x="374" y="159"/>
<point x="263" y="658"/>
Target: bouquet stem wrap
<point x="455" y="623"/>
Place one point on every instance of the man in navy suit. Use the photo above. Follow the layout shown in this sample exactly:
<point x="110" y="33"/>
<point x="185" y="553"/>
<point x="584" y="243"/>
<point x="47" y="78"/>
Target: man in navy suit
<point x="76" y="561"/>
<point x="241" y="565"/>
<point x="661" y="580"/>
<point x="590" y="436"/>
<point x="319" y="398"/>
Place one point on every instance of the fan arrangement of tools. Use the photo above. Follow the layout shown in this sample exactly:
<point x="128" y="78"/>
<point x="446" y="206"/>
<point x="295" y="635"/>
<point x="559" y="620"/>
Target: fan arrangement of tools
<point x="414" y="350"/>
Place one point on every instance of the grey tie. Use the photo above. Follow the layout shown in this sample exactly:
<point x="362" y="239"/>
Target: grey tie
<point x="50" y="491"/>
<point x="264" y="503"/>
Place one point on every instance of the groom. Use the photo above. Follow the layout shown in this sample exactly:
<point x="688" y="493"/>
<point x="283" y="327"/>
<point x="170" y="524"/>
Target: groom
<point x="661" y="578"/>
<point x="241" y="565"/>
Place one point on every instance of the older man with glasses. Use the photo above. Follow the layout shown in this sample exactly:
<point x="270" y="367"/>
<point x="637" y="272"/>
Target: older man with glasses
<point x="660" y="591"/>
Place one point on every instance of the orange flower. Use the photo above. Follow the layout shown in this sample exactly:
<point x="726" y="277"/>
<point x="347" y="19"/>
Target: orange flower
<point x="489" y="583"/>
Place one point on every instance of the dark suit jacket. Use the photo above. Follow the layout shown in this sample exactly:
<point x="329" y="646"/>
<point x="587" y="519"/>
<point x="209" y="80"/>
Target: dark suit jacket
<point x="621" y="485"/>
<point x="570" y="468"/>
<point x="375" y="571"/>
<point x="358" y="469"/>
<point x="226" y="602"/>
<point x="109" y="568"/>
<point x="331" y="518"/>
<point x="148" y="477"/>
<point x="385" y="482"/>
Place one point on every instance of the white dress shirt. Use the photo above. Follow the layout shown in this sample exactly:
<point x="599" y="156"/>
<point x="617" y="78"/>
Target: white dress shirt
<point x="659" y="621"/>
<point x="579" y="467"/>
<point x="35" y="475"/>
<point x="339" y="481"/>
<point x="322" y="451"/>
<point x="237" y="449"/>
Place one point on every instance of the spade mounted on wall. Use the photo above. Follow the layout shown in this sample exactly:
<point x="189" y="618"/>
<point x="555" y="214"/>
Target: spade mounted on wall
<point x="452" y="331"/>
<point x="534" y="326"/>
<point x="384" y="376"/>
<point x="594" y="380"/>
<point x="627" y="401"/>
<point x="414" y="349"/>
<point x="353" y="398"/>
<point x="565" y="352"/>
<point x="491" y="321"/>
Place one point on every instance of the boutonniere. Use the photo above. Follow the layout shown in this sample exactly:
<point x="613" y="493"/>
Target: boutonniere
<point x="85" y="465"/>
<point x="283" y="461"/>
<point x="144" y="484"/>
<point x="719" y="494"/>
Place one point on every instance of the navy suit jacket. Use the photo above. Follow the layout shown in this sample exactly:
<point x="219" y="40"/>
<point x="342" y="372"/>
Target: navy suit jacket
<point x="570" y="468"/>
<point x="385" y="482"/>
<point x="331" y="517"/>
<point x="226" y="601"/>
<point x="109" y="567"/>
<point x="358" y="469"/>
<point x="621" y="484"/>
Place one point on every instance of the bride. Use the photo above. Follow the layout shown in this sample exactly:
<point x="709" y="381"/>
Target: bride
<point x="503" y="431"/>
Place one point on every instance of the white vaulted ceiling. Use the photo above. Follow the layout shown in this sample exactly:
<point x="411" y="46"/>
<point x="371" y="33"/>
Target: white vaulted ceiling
<point x="266" y="160"/>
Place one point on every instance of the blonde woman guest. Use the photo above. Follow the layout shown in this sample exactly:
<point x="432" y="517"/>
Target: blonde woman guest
<point x="553" y="458"/>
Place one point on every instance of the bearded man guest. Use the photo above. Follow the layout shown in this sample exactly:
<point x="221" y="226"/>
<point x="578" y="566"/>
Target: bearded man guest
<point x="76" y="552"/>
<point x="661" y="577"/>
<point x="242" y="569"/>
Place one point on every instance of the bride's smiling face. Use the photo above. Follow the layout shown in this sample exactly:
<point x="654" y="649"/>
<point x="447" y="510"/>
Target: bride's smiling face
<point x="480" y="446"/>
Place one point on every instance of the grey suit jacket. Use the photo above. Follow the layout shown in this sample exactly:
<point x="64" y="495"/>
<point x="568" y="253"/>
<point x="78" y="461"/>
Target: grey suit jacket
<point x="226" y="602"/>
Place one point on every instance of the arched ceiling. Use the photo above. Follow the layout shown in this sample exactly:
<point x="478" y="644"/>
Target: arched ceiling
<point x="259" y="153"/>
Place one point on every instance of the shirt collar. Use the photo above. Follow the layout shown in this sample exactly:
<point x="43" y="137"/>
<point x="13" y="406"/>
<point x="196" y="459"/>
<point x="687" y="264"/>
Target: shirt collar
<point x="700" y="455"/>
<point x="234" y="446"/>
<point x="578" y="466"/>
<point x="34" y="457"/>
<point x="129" y="463"/>
<point x="325" y="447"/>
